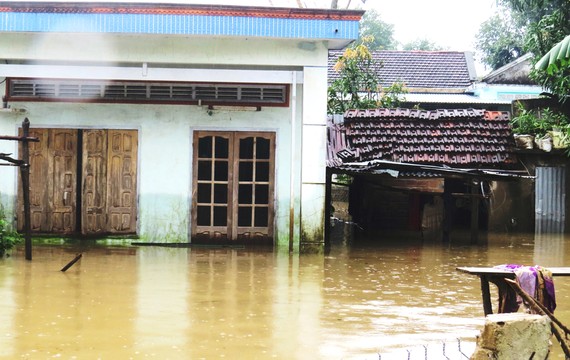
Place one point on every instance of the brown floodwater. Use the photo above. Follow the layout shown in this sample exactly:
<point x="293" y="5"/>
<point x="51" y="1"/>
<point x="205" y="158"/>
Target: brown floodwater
<point x="387" y="297"/>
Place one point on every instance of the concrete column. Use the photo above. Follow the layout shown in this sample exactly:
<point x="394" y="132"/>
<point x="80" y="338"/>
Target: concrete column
<point x="514" y="336"/>
<point x="313" y="177"/>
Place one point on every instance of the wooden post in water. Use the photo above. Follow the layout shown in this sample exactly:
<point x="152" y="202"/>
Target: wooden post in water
<point x="447" y="213"/>
<point x="25" y="174"/>
<point x="474" y="212"/>
<point x="24" y="164"/>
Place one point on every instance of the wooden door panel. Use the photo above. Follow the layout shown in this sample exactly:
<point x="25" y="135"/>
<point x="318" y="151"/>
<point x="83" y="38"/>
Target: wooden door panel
<point x="108" y="181"/>
<point x="62" y="180"/>
<point x="121" y="181"/>
<point x="93" y="213"/>
<point x="39" y="204"/>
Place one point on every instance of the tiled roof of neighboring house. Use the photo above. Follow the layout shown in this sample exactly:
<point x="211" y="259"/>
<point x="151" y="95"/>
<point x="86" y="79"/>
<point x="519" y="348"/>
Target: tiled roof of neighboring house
<point x="465" y="138"/>
<point x="421" y="71"/>
<point x="508" y="83"/>
<point x="514" y="73"/>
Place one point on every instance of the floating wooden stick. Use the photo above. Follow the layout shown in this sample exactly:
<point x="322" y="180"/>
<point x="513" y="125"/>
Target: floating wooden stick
<point x="70" y="264"/>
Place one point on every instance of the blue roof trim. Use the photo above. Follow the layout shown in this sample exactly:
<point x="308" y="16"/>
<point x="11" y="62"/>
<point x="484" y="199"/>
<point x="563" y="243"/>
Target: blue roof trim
<point x="179" y="25"/>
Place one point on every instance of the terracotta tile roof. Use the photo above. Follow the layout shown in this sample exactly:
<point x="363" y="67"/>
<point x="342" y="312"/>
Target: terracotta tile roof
<point x="452" y="70"/>
<point x="462" y="138"/>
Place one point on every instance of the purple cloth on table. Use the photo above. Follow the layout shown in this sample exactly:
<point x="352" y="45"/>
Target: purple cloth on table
<point x="527" y="278"/>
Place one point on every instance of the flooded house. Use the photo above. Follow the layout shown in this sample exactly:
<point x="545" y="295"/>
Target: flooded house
<point x="171" y="123"/>
<point x="491" y="184"/>
<point x="426" y="171"/>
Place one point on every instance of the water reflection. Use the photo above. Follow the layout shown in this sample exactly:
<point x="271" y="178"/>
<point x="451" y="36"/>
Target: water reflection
<point x="7" y="304"/>
<point x="356" y="302"/>
<point x="549" y="249"/>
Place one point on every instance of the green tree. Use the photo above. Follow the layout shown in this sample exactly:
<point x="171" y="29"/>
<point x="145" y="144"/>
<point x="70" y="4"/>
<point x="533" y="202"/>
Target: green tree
<point x="547" y="23"/>
<point x="526" y="12"/>
<point x="372" y="25"/>
<point x="552" y="71"/>
<point x="500" y="40"/>
<point x="358" y="85"/>
<point x="541" y="24"/>
<point x="421" y="44"/>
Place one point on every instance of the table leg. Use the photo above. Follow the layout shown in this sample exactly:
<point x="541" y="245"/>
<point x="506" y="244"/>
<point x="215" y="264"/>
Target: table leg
<point x="485" y="292"/>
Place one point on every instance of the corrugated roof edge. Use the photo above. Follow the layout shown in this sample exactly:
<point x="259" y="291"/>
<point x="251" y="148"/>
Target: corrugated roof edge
<point x="182" y="9"/>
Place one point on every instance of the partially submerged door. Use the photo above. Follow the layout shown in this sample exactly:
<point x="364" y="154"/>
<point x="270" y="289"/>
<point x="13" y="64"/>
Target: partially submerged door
<point x="62" y="179"/>
<point x="233" y="186"/>
<point x="101" y="164"/>
<point x="121" y="181"/>
<point x="53" y="187"/>
<point x="109" y="181"/>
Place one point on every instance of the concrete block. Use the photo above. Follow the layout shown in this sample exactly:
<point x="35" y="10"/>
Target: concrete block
<point x="514" y="336"/>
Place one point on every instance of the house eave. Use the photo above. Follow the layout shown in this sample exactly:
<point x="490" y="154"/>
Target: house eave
<point x="179" y="9"/>
<point x="337" y="28"/>
<point x="149" y="73"/>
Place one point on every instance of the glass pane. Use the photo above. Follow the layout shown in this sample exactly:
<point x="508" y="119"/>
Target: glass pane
<point x="221" y="171"/>
<point x="220" y="194"/>
<point x="205" y="147"/>
<point x="262" y="148"/>
<point x="203" y="216"/>
<point x="220" y="216"/>
<point x="204" y="193"/>
<point x="261" y="216"/>
<point x="244" y="216"/>
<point x="245" y="194"/>
<point x="262" y="171"/>
<point x="222" y="148"/>
<point x="204" y="170"/>
<point x="245" y="171"/>
<point x="261" y="194"/>
<point x="246" y="148"/>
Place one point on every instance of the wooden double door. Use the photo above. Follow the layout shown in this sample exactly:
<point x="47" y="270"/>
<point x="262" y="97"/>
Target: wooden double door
<point x="82" y="182"/>
<point x="233" y="187"/>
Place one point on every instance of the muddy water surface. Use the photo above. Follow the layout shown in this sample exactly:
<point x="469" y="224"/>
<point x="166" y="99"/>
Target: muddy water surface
<point x="358" y="301"/>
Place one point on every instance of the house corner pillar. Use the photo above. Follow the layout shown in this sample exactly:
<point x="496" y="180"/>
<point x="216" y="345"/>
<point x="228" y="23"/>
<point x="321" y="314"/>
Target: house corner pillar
<point x="313" y="167"/>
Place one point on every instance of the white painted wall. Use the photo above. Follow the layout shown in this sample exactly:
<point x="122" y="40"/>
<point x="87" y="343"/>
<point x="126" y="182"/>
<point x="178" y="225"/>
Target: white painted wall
<point x="165" y="152"/>
<point x="179" y="50"/>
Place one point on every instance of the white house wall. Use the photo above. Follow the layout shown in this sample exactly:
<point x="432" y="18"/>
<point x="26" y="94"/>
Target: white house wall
<point x="165" y="154"/>
<point x="180" y="50"/>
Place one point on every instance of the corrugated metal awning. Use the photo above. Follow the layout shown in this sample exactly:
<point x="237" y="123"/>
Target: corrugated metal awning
<point x="396" y="169"/>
